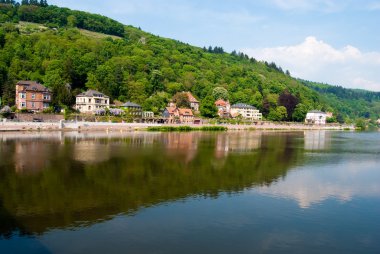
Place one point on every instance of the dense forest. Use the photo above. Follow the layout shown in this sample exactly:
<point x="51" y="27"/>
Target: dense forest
<point x="352" y="102"/>
<point x="48" y="44"/>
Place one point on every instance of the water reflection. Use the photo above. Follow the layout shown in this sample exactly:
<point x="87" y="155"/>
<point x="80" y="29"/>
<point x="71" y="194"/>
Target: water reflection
<point x="343" y="182"/>
<point x="64" y="180"/>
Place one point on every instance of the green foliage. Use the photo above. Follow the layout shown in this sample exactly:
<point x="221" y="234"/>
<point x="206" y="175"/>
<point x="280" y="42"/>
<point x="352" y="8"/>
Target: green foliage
<point x="300" y="112"/>
<point x="220" y="93"/>
<point x="141" y="67"/>
<point x="360" y="124"/>
<point x="208" y="108"/>
<point x="278" y="114"/>
<point x="186" y="128"/>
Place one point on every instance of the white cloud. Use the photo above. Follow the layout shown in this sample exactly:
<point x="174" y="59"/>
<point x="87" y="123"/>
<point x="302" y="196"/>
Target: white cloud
<point x="344" y="183"/>
<point x="316" y="60"/>
<point x="310" y="5"/>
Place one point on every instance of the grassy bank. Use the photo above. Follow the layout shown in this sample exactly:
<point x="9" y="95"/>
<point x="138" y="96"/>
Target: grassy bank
<point x="186" y="128"/>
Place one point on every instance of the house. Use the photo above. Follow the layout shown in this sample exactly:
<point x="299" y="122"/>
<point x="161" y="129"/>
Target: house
<point x="185" y="115"/>
<point x="91" y="101"/>
<point x="134" y="109"/>
<point x="32" y="96"/>
<point x="316" y="117"/>
<point x="171" y="115"/>
<point x="194" y="103"/>
<point x="224" y="108"/>
<point x="178" y="115"/>
<point x="246" y="111"/>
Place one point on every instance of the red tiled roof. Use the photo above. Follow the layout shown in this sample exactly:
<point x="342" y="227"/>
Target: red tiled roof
<point x="221" y="103"/>
<point x="191" y="98"/>
<point x="32" y="86"/>
<point x="185" y="112"/>
<point x="171" y="110"/>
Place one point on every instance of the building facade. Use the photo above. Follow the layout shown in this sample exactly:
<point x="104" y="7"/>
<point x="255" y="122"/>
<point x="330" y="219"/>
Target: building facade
<point x="224" y="108"/>
<point x="316" y="117"/>
<point x="91" y="101"/>
<point x="246" y="111"/>
<point x="134" y="110"/>
<point x="32" y="96"/>
<point x="194" y="103"/>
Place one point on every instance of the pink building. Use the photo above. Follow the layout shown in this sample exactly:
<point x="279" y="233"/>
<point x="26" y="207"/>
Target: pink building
<point x="32" y="96"/>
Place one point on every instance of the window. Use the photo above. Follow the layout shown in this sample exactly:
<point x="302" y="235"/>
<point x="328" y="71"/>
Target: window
<point x="22" y="95"/>
<point x="46" y="97"/>
<point x="89" y="107"/>
<point x="33" y="96"/>
<point x="32" y="104"/>
<point x="46" y="105"/>
<point x="89" y="100"/>
<point x="23" y="105"/>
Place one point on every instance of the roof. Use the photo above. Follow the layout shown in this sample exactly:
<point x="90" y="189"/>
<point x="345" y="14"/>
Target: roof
<point x="317" y="112"/>
<point x="171" y="110"/>
<point x="185" y="111"/>
<point x="243" y="105"/>
<point x="221" y="103"/>
<point x="129" y="104"/>
<point x="191" y="98"/>
<point x="92" y="93"/>
<point x="32" y="86"/>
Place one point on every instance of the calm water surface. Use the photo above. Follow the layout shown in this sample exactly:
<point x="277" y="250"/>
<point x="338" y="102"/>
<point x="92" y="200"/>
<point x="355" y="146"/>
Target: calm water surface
<point x="243" y="192"/>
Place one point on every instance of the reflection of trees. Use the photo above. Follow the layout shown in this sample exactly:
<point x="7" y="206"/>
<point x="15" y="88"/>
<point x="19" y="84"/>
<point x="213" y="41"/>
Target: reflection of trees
<point x="67" y="190"/>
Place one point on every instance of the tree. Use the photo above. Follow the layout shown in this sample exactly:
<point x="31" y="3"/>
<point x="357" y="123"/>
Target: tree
<point x="72" y="21"/>
<point x="300" y="112"/>
<point x="181" y="100"/>
<point x="277" y="114"/>
<point x="220" y="93"/>
<point x="289" y="101"/>
<point x="208" y="108"/>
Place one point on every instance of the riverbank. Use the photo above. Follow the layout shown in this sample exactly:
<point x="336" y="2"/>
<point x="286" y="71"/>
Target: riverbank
<point x="105" y="126"/>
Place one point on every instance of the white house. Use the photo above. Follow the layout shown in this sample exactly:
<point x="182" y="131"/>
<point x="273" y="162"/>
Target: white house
<point x="316" y="117"/>
<point x="90" y="101"/>
<point x="246" y="111"/>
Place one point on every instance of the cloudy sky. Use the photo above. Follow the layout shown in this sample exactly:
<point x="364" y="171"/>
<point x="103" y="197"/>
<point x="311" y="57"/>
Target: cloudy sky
<point x="331" y="41"/>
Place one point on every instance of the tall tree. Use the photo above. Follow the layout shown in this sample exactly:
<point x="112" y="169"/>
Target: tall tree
<point x="289" y="101"/>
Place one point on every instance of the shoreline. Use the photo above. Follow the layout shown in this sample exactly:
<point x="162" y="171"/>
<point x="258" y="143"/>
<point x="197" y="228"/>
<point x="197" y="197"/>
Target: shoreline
<point x="105" y="126"/>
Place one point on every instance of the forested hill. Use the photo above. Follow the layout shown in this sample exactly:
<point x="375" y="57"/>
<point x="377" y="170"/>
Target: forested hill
<point x="135" y="65"/>
<point x="357" y="102"/>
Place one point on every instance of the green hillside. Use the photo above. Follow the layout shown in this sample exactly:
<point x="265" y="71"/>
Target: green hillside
<point x="71" y="47"/>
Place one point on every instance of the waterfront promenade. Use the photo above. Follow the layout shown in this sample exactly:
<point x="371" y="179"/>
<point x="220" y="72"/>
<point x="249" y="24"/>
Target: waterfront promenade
<point x="106" y="126"/>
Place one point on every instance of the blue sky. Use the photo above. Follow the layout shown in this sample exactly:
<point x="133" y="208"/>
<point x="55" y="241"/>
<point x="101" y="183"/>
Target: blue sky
<point x="332" y="41"/>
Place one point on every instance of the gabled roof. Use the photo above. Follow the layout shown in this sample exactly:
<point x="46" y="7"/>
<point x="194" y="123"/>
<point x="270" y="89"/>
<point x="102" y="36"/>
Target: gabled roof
<point x="92" y="93"/>
<point x="317" y="112"/>
<point x="221" y="103"/>
<point x="171" y="110"/>
<point x="191" y="98"/>
<point x="129" y="104"/>
<point x="243" y="105"/>
<point x="32" y="86"/>
<point x="185" y="112"/>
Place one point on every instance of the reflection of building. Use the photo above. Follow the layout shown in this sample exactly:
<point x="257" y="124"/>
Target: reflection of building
<point x="90" y="101"/>
<point x="183" y="144"/>
<point x="238" y="142"/>
<point x="32" y="96"/>
<point x="31" y="156"/>
<point x="245" y="111"/>
<point x="316" y="117"/>
<point x="88" y="151"/>
<point x="315" y="140"/>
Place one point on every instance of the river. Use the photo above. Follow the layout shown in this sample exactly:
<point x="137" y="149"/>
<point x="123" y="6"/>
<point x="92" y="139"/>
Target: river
<point x="194" y="192"/>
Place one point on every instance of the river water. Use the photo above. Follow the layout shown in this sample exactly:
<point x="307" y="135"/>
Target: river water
<point x="196" y="192"/>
